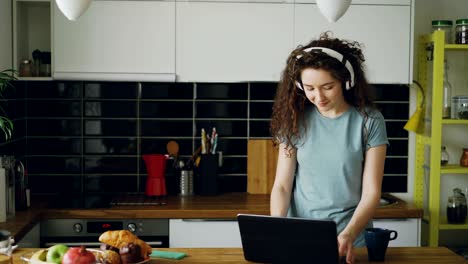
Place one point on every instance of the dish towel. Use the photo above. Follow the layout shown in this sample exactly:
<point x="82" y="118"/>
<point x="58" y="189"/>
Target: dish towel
<point x="168" y="254"/>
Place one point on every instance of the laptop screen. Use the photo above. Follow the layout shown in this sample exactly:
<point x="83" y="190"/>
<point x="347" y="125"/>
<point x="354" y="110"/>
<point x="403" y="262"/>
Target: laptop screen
<point x="269" y="239"/>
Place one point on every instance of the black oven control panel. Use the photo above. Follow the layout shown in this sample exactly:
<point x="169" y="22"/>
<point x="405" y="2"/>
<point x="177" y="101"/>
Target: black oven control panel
<point x="86" y="232"/>
<point x="95" y="227"/>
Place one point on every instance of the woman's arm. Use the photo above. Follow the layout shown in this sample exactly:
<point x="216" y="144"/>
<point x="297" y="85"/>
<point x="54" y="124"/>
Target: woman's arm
<point x="371" y="190"/>
<point x="281" y="191"/>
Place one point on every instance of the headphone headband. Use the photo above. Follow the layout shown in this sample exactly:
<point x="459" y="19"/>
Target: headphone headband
<point x="334" y="54"/>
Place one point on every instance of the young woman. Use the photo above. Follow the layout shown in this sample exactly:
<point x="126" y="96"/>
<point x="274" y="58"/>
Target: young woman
<point x="332" y="140"/>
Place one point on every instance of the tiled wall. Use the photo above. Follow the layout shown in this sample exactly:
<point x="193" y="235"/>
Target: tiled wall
<point x="85" y="139"/>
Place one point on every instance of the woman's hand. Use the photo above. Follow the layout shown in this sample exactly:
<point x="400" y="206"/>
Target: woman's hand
<point x="345" y="247"/>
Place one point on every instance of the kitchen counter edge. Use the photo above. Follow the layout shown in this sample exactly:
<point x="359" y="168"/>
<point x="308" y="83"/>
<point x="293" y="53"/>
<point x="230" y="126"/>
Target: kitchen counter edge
<point x="225" y="206"/>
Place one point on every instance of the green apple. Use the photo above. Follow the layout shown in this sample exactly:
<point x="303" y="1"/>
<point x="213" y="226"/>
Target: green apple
<point x="55" y="253"/>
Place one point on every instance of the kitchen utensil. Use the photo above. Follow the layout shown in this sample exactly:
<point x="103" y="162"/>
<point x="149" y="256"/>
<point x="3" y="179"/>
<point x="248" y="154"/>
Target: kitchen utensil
<point x="194" y="160"/>
<point x="173" y="151"/>
<point x="172" y="148"/>
<point x="156" y="168"/>
<point x="262" y="157"/>
<point x="8" y="164"/>
<point x="186" y="182"/>
<point x="21" y="190"/>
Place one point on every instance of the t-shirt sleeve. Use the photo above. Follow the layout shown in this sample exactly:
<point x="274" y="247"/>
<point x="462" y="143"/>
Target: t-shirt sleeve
<point x="377" y="132"/>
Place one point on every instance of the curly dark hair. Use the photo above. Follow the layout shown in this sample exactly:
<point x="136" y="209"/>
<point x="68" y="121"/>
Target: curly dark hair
<point x="290" y="102"/>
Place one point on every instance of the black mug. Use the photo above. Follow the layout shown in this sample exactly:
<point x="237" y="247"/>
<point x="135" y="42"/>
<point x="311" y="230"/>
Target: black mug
<point x="377" y="242"/>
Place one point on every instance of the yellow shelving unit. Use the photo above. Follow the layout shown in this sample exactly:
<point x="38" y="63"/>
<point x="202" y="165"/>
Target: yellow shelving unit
<point x="428" y="170"/>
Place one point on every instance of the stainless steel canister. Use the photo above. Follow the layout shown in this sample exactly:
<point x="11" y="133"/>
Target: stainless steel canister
<point x="186" y="182"/>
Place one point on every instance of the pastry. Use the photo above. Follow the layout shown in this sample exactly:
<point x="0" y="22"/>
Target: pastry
<point x="122" y="238"/>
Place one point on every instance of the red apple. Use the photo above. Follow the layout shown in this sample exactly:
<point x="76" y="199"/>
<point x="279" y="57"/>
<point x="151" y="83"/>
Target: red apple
<point x="78" y="255"/>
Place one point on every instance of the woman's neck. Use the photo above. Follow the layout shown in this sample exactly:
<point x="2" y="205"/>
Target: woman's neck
<point x="337" y="111"/>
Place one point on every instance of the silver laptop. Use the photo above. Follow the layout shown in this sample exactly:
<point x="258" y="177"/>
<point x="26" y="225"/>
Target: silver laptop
<point x="269" y="239"/>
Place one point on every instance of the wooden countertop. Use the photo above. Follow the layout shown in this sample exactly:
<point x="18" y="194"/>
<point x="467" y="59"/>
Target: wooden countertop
<point x="401" y="255"/>
<point x="225" y="206"/>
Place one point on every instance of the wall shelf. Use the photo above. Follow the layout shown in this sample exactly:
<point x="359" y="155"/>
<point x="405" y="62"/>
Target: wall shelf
<point x="444" y="225"/>
<point x="31" y="30"/>
<point x="428" y="170"/>
<point x="35" y="78"/>
<point x="453" y="169"/>
<point x="455" y="122"/>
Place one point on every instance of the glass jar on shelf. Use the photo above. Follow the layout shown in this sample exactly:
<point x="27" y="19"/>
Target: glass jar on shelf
<point x="461" y="31"/>
<point x="456" y="207"/>
<point x="444" y="25"/>
<point x="444" y="156"/>
<point x="26" y="68"/>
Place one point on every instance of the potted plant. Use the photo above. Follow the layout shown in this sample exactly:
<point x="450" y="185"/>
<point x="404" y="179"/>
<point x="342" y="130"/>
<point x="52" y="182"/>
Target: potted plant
<point x="6" y="125"/>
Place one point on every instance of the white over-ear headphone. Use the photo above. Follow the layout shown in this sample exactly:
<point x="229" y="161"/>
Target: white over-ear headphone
<point x="336" y="55"/>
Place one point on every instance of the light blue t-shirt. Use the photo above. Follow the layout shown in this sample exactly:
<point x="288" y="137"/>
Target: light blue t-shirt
<point x="328" y="180"/>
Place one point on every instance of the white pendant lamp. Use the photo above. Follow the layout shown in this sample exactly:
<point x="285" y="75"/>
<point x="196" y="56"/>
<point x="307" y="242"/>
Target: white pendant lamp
<point x="73" y="9"/>
<point x="332" y="10"/>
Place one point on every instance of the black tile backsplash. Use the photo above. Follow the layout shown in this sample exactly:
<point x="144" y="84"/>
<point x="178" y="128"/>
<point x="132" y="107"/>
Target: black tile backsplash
<point x="221" y="110"/>
<point x="108" y="127"/>
<point x="58" y="183"/>
<point x="54" y="127"/>
<point x="111" y="90"/>
<point x="86" y="138"/>
<point x="229" y="91"/>
<point x="166" y="128"/>
<point x="53" y="108"/>
<point x="225" y="128"/>
<point x="110" y="165"/>
<point x="110" y="109"/>
<point x="53" y="90"/>
<point x="170" y="91"/>
<point x="54" y="146"/>
<point x="163" y="109"/>
<point x="53" y="165"/>
<point x="110" y="146"/>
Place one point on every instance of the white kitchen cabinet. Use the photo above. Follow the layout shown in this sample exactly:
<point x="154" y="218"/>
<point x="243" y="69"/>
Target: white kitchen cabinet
<point x="409" y="231"/>
<point x="116" y="40"/>
<point x="204" y="233"/>
<point x="384" y="30"/>
<point x="6" y="39"/>
<point x="230" y="42"/>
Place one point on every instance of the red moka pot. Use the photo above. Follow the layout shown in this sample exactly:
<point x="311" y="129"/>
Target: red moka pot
<point x="156" y="168"/>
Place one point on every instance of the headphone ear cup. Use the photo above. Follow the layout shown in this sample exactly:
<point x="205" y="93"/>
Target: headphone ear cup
<point x="298" y="85"/>
<point x="348" y="85"/>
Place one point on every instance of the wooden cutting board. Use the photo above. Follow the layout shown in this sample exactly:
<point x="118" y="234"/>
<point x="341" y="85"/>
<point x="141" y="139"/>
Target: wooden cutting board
<point x="262" y="157"/>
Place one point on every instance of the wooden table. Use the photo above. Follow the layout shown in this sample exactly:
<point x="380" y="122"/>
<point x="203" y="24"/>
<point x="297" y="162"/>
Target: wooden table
<point x="406" y="255"/>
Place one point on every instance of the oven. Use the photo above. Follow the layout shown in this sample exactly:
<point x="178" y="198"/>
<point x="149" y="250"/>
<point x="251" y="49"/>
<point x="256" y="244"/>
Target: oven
<point x="86" y="232"/>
